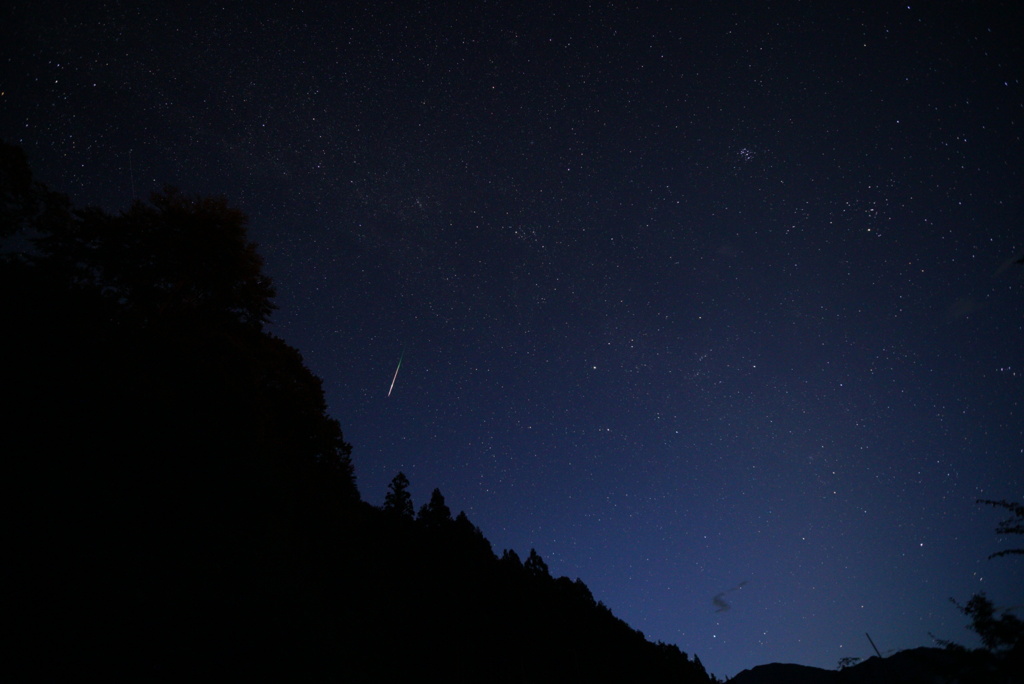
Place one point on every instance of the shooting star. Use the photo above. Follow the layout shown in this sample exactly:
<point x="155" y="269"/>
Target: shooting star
<point x="396" y="373"/>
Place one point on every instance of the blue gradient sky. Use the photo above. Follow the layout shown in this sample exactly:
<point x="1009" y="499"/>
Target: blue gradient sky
<point x="700" y="303"/>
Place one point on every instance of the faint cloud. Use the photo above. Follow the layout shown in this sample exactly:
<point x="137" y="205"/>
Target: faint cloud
<point x="963" y="307"/>
<point x="718" y="600"/>
<point x="1014" y="261"/>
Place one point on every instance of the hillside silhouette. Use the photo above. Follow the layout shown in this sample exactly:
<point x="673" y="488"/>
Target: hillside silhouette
<point x="184" y="506"/>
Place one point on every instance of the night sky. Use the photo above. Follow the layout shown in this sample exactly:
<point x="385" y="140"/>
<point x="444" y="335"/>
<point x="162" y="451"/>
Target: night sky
<point x="711" y="303"/>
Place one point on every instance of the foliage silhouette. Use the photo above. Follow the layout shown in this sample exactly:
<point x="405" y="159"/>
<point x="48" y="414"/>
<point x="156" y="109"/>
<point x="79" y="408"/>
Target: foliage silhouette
<point x="511" y="558"/>
<point x="185" y="506"/>
<point x="1002" y="633"/>
<point x="436" y="513"/>
<point x="1012" y="525"/>
<point x="398" y="501"/>
<point x="1002" y="636"/>
<point x="847" y="662"/>
<point x="535" y="565"/>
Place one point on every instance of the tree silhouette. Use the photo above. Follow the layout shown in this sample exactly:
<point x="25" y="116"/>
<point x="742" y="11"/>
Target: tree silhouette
<point x="472" y="538"/>
<point x="436" y="513"/>
<point x="535" y="565"/>
<point x="171" y="462"/>
<point x="173" y="257"/>
<point x="1001" y="633"/>
<point x="17" y="201"/>
<point x="186" y="505"/>
<point x="511" y="558"/>
<point x="1012" y="525"/>
<point x="25" y="204"/>
<point x="398" y="501"/>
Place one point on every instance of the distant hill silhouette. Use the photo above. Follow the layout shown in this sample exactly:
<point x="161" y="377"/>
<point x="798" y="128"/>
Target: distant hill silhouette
<point x="913" y="666"/>
<point x="183" y="507"/>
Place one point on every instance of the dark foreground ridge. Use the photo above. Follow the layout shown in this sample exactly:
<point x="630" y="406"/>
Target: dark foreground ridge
<point x="183" y="506"/>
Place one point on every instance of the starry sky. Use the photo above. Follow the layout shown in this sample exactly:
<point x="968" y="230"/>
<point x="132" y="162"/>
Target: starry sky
<point x="711" y="303"/>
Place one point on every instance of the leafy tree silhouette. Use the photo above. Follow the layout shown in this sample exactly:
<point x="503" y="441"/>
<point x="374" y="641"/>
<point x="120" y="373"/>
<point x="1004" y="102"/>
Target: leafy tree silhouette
<point x="1012" y="525"/>
<point x="999" y="634"/>
<point x="1006" y="632"/>
<point x="164" y="450"/>
<point x="847" y="662"/>
<point x="171" y="258"/>
<point x="1003" y="636"/>
<point x="398" y="501"/>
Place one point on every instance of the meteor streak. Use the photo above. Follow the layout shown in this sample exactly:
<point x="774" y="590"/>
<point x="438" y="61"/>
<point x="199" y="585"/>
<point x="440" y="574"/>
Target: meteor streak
<point x="396" y="373"/>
